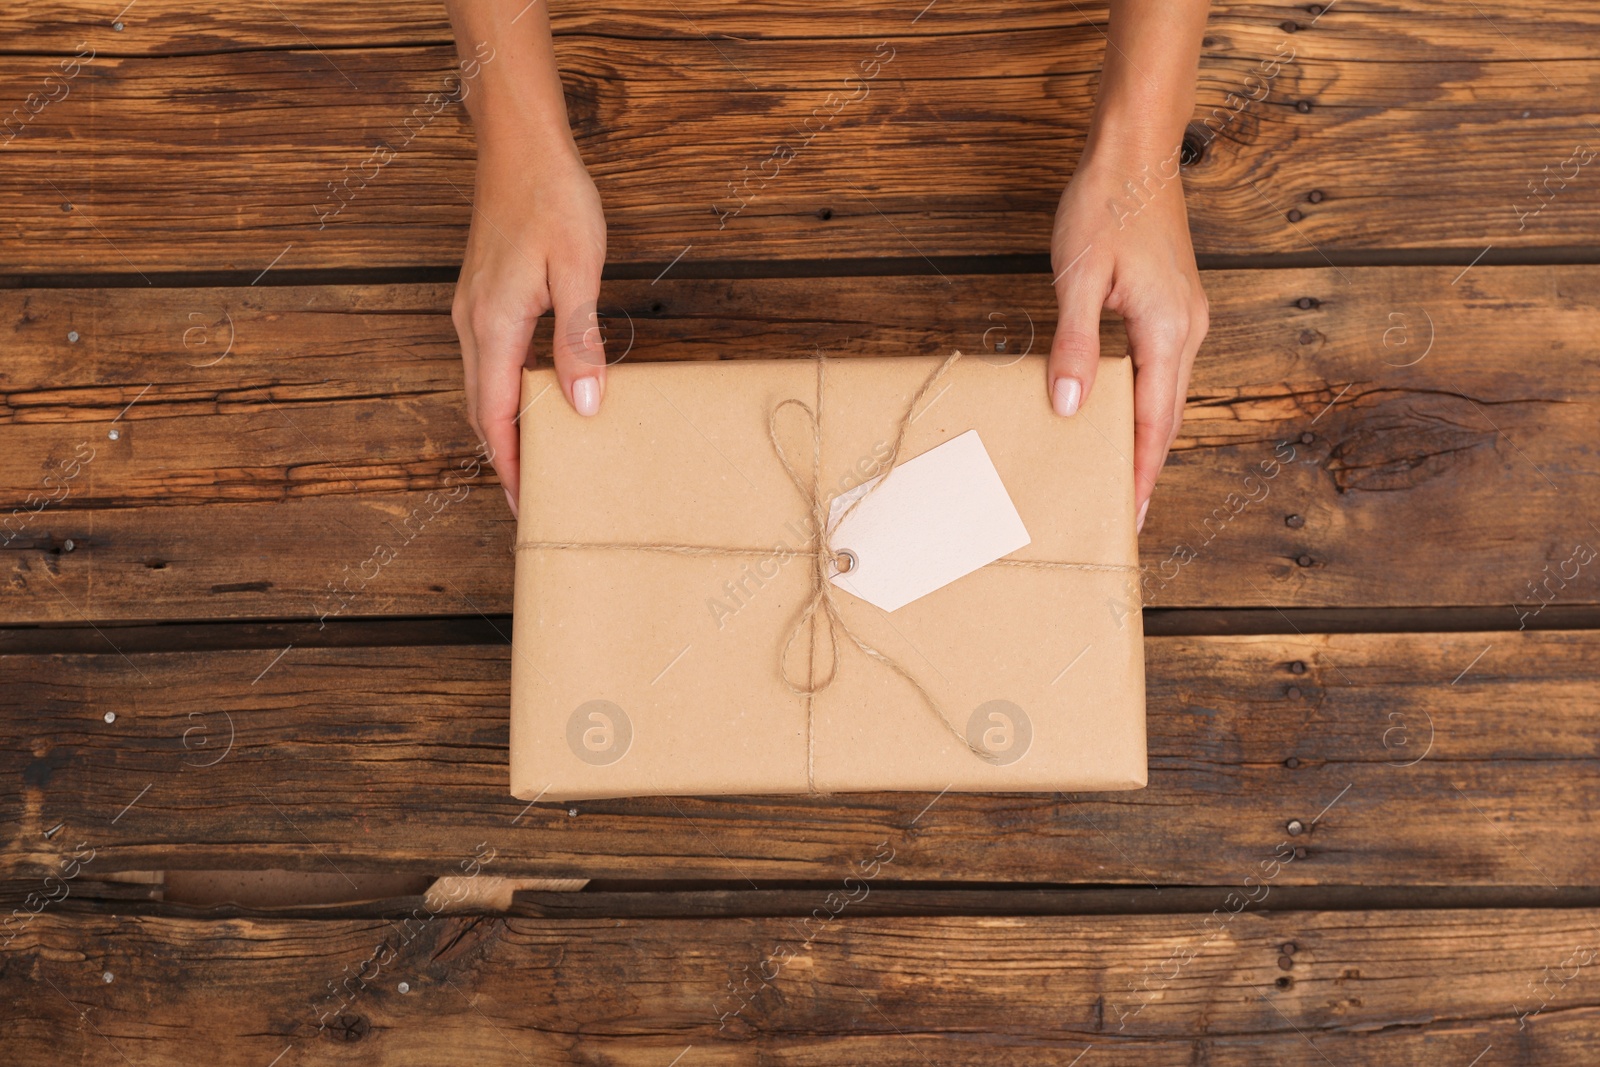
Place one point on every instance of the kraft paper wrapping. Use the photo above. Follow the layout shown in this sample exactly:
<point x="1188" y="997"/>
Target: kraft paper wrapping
<point x="657" y="672"/>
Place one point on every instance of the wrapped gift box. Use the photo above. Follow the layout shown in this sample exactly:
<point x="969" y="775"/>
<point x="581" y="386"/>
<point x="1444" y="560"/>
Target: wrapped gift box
<point x="666" y="560"/>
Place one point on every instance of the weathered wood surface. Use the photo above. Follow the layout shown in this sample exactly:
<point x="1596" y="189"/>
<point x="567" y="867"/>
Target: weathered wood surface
<point x="1308" y="988"/>
<point x="1459" y="759"/>
<point x="1421" y="129"/>
<point x="238" y="453"/>
<point x="270" y="440"/>
<point x="170" y="27"/>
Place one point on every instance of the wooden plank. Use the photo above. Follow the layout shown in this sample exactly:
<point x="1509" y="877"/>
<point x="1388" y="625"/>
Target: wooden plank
<point x="253" y="481"/>
<point x="1362" y="759"/>
<point x="167" y="27"/>
<point x="253" y="428"/>
<point x="1253" y="990"/>
<point x="221" y="159"/>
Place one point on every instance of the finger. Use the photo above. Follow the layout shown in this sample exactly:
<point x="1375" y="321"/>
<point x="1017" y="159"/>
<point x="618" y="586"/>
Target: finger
<point x="1075" y="349"/>
<point x="469" y="363"/>
<point x="469" y="384"/>
<point x="1157" y="348"/>
<point x="1199" y="326"/>
<point x="502" y="351"/>
<point x="1180" y="397"/>
<point x="579" y="349"/>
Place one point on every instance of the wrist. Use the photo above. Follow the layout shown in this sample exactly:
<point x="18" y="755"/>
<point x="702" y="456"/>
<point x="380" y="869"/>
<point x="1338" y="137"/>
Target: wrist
<point x="523" y="136"/>
<point x="511" y="114"/>
<point x="511" y="86"/>
<point x="1119" y="149"/>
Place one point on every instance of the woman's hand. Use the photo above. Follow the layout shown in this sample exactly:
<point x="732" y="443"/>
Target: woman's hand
<point x="1121" y="242"/>
<point x="1122" y="234"/>
<point x="538" y="237"/>
<point x="538" y="242"/>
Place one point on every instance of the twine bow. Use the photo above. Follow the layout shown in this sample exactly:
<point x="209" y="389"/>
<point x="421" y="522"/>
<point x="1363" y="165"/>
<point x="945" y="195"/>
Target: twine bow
<point x="822" y="603"/>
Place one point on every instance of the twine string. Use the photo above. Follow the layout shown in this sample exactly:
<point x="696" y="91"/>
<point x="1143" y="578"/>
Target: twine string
<point x="822" y="607"/>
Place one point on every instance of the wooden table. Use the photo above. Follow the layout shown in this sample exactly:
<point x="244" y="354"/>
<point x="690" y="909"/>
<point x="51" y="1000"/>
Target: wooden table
<point x="1368" y="835"/>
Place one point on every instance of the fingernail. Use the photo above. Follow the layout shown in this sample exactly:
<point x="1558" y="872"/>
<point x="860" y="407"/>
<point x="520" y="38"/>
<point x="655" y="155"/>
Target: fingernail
<point x="1066" y="396"/>
<point x="586" y="396"/>
<point x="510" y="501"/>
<point x="1138" y="523"/>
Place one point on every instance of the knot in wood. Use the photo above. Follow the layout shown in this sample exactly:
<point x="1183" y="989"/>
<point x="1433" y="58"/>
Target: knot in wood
<point x="350" y="1027"/>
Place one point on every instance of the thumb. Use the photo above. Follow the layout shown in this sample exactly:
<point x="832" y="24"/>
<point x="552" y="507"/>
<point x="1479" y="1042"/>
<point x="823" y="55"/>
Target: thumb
<point x="579" y="351"/>
<point x="1075" y="349"/>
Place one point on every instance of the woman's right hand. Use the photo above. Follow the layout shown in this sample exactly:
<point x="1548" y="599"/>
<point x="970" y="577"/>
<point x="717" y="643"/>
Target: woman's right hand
<point x="538" y="241"/>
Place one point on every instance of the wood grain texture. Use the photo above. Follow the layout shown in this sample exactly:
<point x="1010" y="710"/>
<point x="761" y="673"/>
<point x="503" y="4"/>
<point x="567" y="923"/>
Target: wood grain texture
<point x="1374" y="988"/>
<point x="170" y="27"/>
<point x="1431" y="434"/>
<point x="1459" y="759"/>
<point x="208" y="143"/>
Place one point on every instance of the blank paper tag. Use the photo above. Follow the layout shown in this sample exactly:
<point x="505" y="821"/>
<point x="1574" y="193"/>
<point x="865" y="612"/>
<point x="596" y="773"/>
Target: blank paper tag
<point x="937" y="518"/>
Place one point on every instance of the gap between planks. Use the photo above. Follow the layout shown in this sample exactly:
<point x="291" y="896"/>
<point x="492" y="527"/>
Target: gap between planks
<point x="621" y="899"/>
<point x="862" y="267"/>
<point x="447" y="630"/>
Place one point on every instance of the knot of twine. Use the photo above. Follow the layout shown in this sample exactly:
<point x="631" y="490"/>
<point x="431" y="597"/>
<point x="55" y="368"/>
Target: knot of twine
<point x="822" y="603"/>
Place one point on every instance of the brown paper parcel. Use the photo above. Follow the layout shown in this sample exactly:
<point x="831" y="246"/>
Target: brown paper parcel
<point x="665" y="556"/>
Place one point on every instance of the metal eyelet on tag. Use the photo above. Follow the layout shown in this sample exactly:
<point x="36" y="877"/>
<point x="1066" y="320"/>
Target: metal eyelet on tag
<point x="845" y="561"/>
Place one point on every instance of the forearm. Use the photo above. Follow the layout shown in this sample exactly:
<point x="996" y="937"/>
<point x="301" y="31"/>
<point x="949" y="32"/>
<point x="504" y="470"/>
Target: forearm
<point x="516" y="100"/>
<point x="1147" y="85"/>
